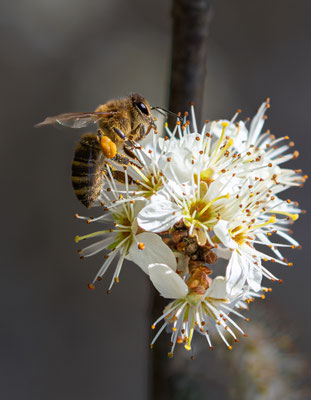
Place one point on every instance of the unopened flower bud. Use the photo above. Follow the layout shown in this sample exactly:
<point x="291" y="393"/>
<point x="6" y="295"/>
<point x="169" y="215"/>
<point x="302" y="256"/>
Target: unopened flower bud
<point x="208" y="256"/>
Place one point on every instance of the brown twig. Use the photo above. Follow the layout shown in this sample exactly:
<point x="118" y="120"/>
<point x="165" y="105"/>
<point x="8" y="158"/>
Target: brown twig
<point x="189" y="49"/>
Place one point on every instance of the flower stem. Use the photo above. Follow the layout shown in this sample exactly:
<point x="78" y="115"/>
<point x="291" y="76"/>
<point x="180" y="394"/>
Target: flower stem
<point x="188" y="69"/>
<point x="191" y="20"/>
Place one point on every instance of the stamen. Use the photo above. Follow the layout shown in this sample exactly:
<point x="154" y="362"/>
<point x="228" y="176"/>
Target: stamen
<point x="94" y="234"/>
<point x="229" y="144"/>
<point x="224" y="126"/>
<point x="227" y="196"/>
<point x="270" y="221"/>
<point x="188" y="345"/>
<point x="294" y="217"/>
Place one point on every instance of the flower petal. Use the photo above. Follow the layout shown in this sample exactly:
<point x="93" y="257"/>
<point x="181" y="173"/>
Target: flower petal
<point x="159" y="215"/>
<point x="168" y="283"/>
<point x="223" y="252"/>
<point x="254" y="278"/>
<point x="155" y="250"/>
<point x="177" y="163"/>
<point x="217" y="289"/>
<point x="236" y="274"/>
<point x="257" y="124"/>
<point x="221" y="230"/>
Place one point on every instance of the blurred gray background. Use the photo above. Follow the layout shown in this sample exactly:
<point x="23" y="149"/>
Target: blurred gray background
<point x="58" y="339"/>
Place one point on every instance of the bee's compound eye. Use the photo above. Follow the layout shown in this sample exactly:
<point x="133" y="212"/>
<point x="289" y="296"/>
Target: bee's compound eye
<point x="142" y="107"/>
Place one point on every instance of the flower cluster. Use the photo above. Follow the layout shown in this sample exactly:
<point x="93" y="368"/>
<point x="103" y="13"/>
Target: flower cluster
<point x="196" y="197"/>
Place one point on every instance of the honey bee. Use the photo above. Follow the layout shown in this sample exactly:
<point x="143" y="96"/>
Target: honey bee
<point x="121" y="123"/>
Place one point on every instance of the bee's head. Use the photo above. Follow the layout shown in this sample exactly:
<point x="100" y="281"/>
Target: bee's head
<point x="142" y="109"/>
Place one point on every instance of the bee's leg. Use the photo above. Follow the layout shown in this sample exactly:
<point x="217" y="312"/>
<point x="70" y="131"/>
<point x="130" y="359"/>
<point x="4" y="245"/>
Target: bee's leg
<point x="128" y="151"/>
<point x="100" y="133"/>
<point x="143" y="132"/>
<point x="120" y="133"/>
<point x="118" y="175"/>
<point x="138" y="133"/>
<point x="122" y="160"/>
<point x="134" y="145"/>
<point x="106" y="144"/>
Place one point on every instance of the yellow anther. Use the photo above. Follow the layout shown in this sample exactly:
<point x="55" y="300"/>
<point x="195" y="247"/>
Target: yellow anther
<point x="152" y="326"/>
<point x="77" y="238"/>
<point x="116" y="279"/>
<point x="170" y="355"/>
<point x="272" y="220"/>
<point x="207" y="174"/>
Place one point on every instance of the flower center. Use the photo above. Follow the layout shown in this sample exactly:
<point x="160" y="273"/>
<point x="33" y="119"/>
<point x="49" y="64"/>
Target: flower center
<point x="204" y="212"/>
<point x="124" y="229"/>
<point x="238" y="235"/>
<point x="200" y="211"/>
<point x="150" y="183"/>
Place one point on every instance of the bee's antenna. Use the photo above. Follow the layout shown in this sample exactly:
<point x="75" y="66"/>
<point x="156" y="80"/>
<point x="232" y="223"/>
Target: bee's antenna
<point x="159" y="109"/>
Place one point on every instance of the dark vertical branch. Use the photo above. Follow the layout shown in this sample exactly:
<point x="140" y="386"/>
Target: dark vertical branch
<point x="188" y="70"/>
<point x="189" y="50"/>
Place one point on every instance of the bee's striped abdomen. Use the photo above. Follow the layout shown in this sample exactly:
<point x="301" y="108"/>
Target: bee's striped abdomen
<point x="87" y="169"/>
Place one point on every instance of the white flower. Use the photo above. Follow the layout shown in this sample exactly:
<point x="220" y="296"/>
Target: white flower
<point x="148" y="178"/>
<point x="193" y="196"/>
<point x="194" y="153"/>
<point x="124" y="239"/>
<point x="159" y="215"/>
<point x="264" y="149"/>
<point x="195" y="308"/>
<point x="199" y="207"/>
<point x="252" y="216"/>
<point x="224" y="186"/>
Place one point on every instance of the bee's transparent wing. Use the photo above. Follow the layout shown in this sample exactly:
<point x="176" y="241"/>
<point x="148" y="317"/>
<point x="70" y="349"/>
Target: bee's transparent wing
<point x="75" y="120"/>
